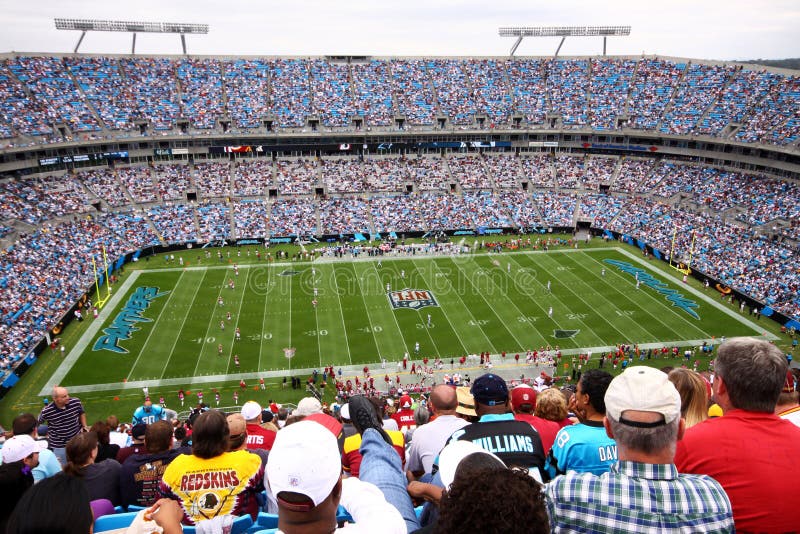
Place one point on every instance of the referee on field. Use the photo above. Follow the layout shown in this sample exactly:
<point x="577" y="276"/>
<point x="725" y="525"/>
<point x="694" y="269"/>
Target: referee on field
<point x="65" y="418"/>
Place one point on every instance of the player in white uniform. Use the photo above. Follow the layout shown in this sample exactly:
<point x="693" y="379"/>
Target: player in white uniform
<point x="550" y="312"/>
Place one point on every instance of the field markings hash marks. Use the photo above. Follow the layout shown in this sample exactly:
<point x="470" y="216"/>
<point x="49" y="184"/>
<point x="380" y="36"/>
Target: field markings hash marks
<point x="341" y="314"/>
<point x="177" y="335"/>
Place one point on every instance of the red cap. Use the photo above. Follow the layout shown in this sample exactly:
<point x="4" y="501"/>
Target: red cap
<point x="523" y="394"/>
<point x="331" y="424"/>
<point x="405" y="401"/>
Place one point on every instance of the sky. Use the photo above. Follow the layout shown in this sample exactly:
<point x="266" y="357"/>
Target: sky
<point x="703" y="29"/>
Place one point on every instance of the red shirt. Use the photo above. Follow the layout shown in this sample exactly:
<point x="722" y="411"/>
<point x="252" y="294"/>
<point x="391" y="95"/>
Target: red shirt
<point x="756" y="458"/>
<point x="351" y="457"/>
<point x="405" y="418"/>
<point x="259" y="438"/>
<point x="547" y="429"/>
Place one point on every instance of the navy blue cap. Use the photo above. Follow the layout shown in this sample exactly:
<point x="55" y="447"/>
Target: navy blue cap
<point x="490" y="389"/>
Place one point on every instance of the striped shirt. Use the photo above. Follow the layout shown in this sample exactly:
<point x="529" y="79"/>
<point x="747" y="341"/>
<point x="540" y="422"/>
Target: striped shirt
<point x="638" y="497"/>
<point x="62" y="424"/>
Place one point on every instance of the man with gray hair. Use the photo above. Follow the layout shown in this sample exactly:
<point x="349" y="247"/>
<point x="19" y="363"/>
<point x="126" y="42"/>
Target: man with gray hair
<point x="750" y="451"/>
<point x="643" y="491"/>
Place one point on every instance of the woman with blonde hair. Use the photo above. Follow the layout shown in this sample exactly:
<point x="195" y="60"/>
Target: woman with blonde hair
<point x="552" y="405"/>
<point x="694" y="395"/>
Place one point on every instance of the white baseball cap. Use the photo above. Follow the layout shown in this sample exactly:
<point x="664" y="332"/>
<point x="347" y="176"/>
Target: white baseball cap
<point x="645" y="389"/>
<point x="345" y="411"/>
<point x="304" y="459"/>
<point x="452" y="455"/>
<point x="307" y="406"/>
<point x="18" y="448"/>
<point x="251" y="410"/>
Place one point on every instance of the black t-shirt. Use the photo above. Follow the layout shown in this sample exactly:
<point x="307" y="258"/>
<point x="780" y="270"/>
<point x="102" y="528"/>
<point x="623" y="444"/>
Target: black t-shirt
<point x="141" y="475"/>
<point x="515" y="442"/>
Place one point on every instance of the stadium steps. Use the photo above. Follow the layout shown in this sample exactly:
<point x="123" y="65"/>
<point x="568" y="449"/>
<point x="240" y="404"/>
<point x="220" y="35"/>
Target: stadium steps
<point x="28" y="93"/>
<point x="713" y="102"/>
<point x="631" y="86"/>
<point x="86" y="101"/>
<point x="452" y="179"/>
<point x="675" y="89"/>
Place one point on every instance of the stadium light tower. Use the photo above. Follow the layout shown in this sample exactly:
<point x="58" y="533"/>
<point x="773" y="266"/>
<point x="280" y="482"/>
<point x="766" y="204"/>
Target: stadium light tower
<point x="521" y="32"/>
<point x="89" y="25"/>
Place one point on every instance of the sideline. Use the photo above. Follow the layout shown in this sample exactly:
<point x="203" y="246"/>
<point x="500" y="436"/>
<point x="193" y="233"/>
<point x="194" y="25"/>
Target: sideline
<point x="702" y="296"/>
<point x="76" y="351"/>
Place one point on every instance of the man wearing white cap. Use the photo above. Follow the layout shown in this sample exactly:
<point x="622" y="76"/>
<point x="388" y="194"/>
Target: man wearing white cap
<point x="257" y="436"/>
<point x="309" y="492"/>
<point x="643" y="491"/>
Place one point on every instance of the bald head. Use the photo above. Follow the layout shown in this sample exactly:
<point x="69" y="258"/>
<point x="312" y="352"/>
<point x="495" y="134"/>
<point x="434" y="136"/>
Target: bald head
<point x="60" y="396"/>
<point x="444" y="399"/>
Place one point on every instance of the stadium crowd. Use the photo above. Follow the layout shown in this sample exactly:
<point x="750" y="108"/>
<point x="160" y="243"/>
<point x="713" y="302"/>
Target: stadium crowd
<point x="644" y="451"/>
<point x="720" y="216"/>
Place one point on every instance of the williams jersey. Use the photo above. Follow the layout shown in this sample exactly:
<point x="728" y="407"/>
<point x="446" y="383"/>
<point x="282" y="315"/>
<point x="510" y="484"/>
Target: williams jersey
<point x="585" y="448"/>
<point x="515" y="442"/>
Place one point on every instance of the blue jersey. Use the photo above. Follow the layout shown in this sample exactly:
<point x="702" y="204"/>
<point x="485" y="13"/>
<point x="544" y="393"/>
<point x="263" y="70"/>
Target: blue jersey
<point x="156" y="413"/>
<point x="585" y="448"/>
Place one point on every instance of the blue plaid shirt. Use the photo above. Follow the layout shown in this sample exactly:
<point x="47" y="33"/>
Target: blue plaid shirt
<point x="638" y="497"/>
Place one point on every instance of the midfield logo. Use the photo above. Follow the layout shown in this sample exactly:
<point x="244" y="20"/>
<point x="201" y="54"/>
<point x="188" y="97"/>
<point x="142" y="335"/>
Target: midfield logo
<point x="412" y="298"/>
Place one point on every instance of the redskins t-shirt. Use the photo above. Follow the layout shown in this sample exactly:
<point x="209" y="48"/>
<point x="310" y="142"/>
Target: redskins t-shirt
<point x="225" y="484"/>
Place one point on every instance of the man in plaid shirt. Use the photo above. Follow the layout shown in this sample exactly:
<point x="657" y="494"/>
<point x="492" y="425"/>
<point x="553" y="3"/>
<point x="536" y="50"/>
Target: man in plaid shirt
<point x="643" y="491"/>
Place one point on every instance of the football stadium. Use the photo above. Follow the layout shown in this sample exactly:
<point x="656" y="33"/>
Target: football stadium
<point x="202" y="232"/>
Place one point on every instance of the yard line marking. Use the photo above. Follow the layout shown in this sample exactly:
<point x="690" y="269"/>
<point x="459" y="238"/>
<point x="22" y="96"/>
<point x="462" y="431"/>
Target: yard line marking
<point x="649" y="294"/>
<point x="264" y="318"/>
<point x="341" y="314"/>
<point x="391" y="312"/>
<point x="155" y="324"/>
<point x="369" y="316"/>
<point x="452" y="327"/>
<point x="521" y="314"/>
<point x="244" y="290"/>
<point x="208" y="329"/>
<point x="427" y="331"/>
<point x="555" y="298"/>
<point x="183" y="323"/>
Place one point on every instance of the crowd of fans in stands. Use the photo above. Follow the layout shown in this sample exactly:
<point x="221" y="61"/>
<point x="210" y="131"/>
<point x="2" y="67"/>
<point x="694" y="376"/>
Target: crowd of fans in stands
<point x="646" y="450"/>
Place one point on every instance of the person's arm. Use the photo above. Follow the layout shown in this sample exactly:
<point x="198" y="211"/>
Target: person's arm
<point x="428" y="492"/>
<point x="167" y="514"/>
<point x="82" y="418"/>
<point x="369" y="508"/>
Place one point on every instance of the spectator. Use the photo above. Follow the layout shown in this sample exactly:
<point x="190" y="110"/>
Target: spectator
<point x="749" y="450"/>
<point x="309" y="493"/>
<point x="788" y="406"/>
<point x="58" y="505"/>
<point x="552" y="406"/>
<point x="105" y="449"/>
<point x="148" y="413"/>
<point x="25" y="425"/>
<point x="212" y="483"/>
<point x="585" y="447"/>
<point x="496" y="428"/>
<point x="468" y="506"/>
<point x="257" y="436"/>
<point x="141" y="472"/>
<point x="101" y="478"/>
<point x="431" y="438"/>
<point x="523" y="402"/>
<point x="694" y="395"/>
<point x="643" y="416"/>
<point x="65" y="418"/>
<point x="116" y="435"/>
<point x="20" y="457"/>
<point x="404" y="417"/>
<point x="137" y="446"/>
<point x="351" y="450"/>
<point x="347" y="425"/>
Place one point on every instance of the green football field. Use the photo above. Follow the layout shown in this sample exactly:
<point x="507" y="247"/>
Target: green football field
<point x="169" y="327"/>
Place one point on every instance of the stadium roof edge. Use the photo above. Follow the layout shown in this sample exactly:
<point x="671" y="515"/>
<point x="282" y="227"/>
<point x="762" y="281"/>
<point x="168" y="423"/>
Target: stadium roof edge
<point x="224" y="57"/>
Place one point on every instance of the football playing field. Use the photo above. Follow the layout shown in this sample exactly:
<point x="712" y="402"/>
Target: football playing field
<point x="175" y="327"/>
